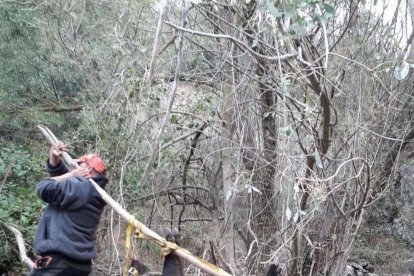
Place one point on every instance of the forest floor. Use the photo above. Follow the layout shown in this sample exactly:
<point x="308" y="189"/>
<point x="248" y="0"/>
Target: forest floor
<point x="384" y="252"/>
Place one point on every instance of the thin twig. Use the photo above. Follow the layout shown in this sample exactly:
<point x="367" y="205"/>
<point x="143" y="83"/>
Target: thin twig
<point x="325" y="36"/>
<point x="239" y="43"/>
<point x="157" y="139"/>
<point x="169" y="42"/>
<point x="164" y="5"/>
<point x="366" y="192"/>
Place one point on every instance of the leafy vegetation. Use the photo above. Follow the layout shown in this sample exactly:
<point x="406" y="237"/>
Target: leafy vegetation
<point x="20" y="168"/>
<point x="273" y="141"/>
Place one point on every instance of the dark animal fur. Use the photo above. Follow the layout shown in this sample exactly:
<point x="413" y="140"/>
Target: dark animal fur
<point x="172" y="263"/>
<point x="142" y="269"/>
<point x="274" y="270"/>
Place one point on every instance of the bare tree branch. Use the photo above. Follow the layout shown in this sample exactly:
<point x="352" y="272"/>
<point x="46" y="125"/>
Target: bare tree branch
<point x="155" y="51"/>
<point x="239" y="43"/>
<point x="157" y="139"/>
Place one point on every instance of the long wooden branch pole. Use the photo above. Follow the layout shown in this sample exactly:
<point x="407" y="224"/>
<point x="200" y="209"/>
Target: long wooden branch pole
<point x="179" y="251"/>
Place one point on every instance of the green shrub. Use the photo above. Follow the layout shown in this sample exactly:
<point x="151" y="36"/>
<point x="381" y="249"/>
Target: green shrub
<point x="20" y="170"/>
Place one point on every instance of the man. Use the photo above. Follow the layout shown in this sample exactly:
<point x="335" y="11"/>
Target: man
<point x="65" y="236"/>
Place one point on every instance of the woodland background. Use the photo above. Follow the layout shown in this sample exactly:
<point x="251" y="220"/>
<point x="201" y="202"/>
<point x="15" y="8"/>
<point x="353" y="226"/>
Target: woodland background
<point x="276" y="131"/>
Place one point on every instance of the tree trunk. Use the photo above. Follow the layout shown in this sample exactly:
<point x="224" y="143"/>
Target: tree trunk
<point x="410" y="4"/>
<point x="228" y="180"/>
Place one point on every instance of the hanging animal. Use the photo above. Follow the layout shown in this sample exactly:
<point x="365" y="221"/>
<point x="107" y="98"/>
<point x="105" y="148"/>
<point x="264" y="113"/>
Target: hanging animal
<point x="172" y="263"/>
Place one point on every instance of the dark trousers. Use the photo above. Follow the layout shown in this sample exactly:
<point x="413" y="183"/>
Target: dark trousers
<point x="58" y="265"/>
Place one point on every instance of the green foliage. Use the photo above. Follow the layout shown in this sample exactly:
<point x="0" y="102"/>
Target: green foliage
<point x="94" y="54"/>
<point x="35" y="77"/>
<point x="20" y="169"/>
<point x="401" y="71"/>
<point x="329" y="9"/>
<point x="303" y="13"/>
<point x="90" y="54"/>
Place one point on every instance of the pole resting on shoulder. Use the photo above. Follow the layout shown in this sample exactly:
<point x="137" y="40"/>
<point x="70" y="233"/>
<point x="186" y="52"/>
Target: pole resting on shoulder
<point x="179" y="251"/>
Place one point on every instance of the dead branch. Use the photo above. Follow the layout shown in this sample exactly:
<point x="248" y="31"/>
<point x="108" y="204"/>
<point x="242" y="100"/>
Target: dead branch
<point x="59" y="109"/>
<point x="365" y="192"/>
<point x="164" y="5"/>
<point x="6" y="175"/>
<point x="197" y="135"/>
<point x="380" y="185"/>
<point x="166" y="192"/>
<point x="157" y="139"/>
<point x="237" y="42"/>
<point x="20" y="243"/>
<point x="167" y="44"/>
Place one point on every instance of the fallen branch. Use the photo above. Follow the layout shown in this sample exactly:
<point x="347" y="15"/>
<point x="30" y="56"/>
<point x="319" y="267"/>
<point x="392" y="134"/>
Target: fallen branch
<point x="20" y="244"/>
<point x="58" y="109"/>
<point x="141" y="228"/>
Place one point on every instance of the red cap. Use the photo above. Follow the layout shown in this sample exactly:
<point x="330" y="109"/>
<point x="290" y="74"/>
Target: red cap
<point x="93" y="161"/>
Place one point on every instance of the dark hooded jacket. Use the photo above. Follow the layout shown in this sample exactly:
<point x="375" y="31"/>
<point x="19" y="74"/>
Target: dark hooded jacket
<point x="69" y="222"/>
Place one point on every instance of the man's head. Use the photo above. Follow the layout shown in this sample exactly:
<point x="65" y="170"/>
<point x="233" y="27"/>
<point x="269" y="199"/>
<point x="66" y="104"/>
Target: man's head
<point x="94" y="162"/>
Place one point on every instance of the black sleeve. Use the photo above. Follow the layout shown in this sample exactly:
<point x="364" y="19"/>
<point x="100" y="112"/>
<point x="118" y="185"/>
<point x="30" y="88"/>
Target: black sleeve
<point x="69" y="194"/>
<point x="57" y="170"/>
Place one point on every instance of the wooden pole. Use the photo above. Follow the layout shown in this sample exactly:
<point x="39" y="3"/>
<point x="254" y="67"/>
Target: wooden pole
<point x="179" y="251"/>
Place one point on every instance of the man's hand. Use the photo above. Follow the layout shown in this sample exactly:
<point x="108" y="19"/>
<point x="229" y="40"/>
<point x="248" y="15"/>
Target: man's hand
<point x="56" y="152"/>
<point x="59" y="149"/>
<point x="81" y="171"/>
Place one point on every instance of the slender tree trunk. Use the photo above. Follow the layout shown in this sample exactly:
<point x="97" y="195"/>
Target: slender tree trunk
<point x="262" y="160"/>
<point x="228" y="174"/>
<point x="410" y="4"/>
<point x="155" y="50"/>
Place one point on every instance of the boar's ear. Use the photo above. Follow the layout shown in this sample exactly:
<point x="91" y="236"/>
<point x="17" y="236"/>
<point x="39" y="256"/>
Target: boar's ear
<point x="173" y="236"/>
<point x="274" y="270"/>
<point x="140" y="267"/>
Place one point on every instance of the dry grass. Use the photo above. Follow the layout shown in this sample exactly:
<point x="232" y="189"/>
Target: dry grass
<point x="384" y="252"/>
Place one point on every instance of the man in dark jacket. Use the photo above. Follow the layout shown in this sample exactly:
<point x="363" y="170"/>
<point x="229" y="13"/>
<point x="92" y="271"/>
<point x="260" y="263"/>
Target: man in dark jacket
<point x="65" y="236"/>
